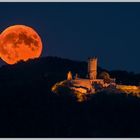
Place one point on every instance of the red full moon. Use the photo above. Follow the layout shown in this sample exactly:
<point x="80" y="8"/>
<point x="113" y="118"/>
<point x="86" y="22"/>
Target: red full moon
<point x="19" y="42"/>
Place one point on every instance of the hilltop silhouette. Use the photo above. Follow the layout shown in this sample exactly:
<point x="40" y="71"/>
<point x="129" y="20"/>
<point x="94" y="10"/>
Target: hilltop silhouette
<point x="28" y="108"/>
<point x="56" y="68"/>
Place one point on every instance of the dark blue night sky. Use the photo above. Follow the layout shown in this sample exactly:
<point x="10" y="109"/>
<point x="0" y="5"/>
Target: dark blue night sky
<point x="110" y="31"/>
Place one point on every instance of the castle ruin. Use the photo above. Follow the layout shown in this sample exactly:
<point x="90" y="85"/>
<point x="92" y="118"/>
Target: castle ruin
<point x="88" y="85"/>
<point x="91" y="84"/>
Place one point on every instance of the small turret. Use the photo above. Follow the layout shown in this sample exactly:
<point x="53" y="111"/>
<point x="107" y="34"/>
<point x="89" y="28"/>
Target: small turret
<point x="69" y="76"/>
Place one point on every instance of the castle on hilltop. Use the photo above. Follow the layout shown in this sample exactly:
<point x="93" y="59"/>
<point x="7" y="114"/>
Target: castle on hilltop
<point x="90" y="84"/>
<point x="81" y="87"/>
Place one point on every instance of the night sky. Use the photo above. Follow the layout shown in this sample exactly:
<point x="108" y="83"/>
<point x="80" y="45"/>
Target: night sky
<point x="110" y="31"/>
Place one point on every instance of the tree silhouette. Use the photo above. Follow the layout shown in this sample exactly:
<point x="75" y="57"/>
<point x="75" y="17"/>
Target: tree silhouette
<point x="104" y="75"/>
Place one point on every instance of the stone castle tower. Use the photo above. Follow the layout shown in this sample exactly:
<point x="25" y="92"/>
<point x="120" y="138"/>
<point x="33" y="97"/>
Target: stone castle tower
<point x="92" y="68"/>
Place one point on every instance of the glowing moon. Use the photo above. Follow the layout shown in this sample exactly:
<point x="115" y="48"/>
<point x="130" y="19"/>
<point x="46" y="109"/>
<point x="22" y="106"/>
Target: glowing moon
<point x="19" y="42"/>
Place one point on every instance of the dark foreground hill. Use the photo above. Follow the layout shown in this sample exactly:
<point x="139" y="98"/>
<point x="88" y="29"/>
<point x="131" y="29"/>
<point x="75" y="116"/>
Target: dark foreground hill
<point x="28" y="108"/>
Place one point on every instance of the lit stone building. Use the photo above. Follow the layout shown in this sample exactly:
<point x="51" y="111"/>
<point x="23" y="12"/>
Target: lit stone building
<point x="87" y="85"/>
<point x="92" y="68"/>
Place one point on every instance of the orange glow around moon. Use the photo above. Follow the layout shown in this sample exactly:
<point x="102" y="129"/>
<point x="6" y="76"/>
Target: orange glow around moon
<point x="19" y="42"/>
